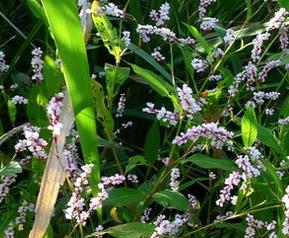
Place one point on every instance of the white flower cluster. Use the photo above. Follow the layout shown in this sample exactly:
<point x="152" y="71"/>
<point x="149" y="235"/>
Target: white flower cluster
<point x="32" y="142"/>
<point x="253" y="225"/>
<point x="75" y="205"/>
<point x="70" y="156"/>
<point x="166" y="227"/>
<point x="268" y="67"/>
<point x="226" y="215"/>
<point x="96" y="202"/>
<point x="171" y="118"/>
<point x="250" y="166"/>
<point x="277" y="20"/>
<point x="113" y="180"/>
<point x="4" y="186"/>
<point x="229" y="37"/>
<point x="232" y="181"/>
<point x="188" y="103"/>
<point x="126" y="38"/>
<point x="257" y="46"/>
<point x="157" y="55"/>
<point x="283" y="38"/>
<point x="200" y="65"/>
<point x="9" y="232"/>
<point x="248" y="75"/>
<point x="165" y="33"/>
<point x="283" y="121"/>
<point x="112" y="10"/>
<point x="146" y="215"/>
<point x="22" y="212"/>
<point x="3" y="66"/>
<point x="132" y="178"/>
<point x="260" y="96"/>
<point x="161" y="15"/>
<point x="174" y="183"/>
<point x="54" y="109"/>
<point x="37" y="64"/>
<point x="216" y="77"/>
<point x="14" y="86"/>
<point x="285" y="200"/>
<point x="203" y="6"/>
<point x="19" y="100"/>
<point x="121" y="105"/>
<point x="218" y="136"/>
<point x="209" y="24"/>
<point x="193" y="201"/>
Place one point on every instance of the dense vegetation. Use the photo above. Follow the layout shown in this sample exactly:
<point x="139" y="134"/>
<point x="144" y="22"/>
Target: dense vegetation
<point x="144" y="118"/>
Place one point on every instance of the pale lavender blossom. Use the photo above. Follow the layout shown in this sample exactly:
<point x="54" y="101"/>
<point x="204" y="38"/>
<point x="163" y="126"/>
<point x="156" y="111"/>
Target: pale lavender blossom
<point x="3" y="66"/>
<point x="70" y="156"/>
<point x="32" y="142"/>
<point x="283" y="38"/>
<point x="209" y="24"/>
<point x="157" y="55"/>
<point x="126" y="38"/>
<point x="226" y="215"/>
<point x="9" y="232"/>
<point x="16" y="100"/>
<point x="193" y="201"/>
<point x="174" y="183"/>
<point x="112" y="10"/>
<point x="22" y="212"/>
<point x="121" y="105"/>
<point x="269" y="111"/>
<point x="96" y="202"/>
<point x="187" y="102"/>
<point x="199" y="65"/>
<point x="146" y="215"/>
<point x="171" y="118"/>
<point x="166" y="227"/>
<point x="165" y="33"/>
<point x="247" y="75"/>
<point x="285" y="200"/>
<point x="4" y="186"/>
<point x="277" y="20"/>
<point x="218" y="53"/>
<point x="260" y="96"/>
<point x="14" y="86"/>
<point x="229" y="37"/>
<point x="218" y="136"/>
<point x="267" y="68"/>
<point x="232" y="181"/>
<point x="283" y="121"/>
<point x="203" y="6"/>
<point x="113" y="180"/>
<point x="54" y="109"/>
<point x="162" y="15"/>
<point x="257" y="46"/>
<point x="99" y="228"/>
<point x="132" y="178"/>
<point x="212" y="176"/>
<point x="164" y="160"/>
<point x="215" y="77"/>
<point x="37" y="64"/>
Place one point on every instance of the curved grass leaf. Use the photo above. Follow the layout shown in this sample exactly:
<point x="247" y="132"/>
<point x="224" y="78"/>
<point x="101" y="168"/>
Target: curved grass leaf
<point x="11" y="169"/>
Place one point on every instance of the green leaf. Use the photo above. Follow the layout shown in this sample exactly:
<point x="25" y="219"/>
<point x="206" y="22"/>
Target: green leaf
<point x="249" y="127"/>
<point x="115" y="76"/>
<point x="124" y="196"/>
<point x="136" y="161"/>
<point x="171" y="199"/>
<point x="12" y="111"/>
<point x="207" y="162"/>
<point x="268" y="139"/>
<point x="156" y="82"/>
<point x="67" y="32"/>
<point x="201" y="40"/>
<point x="129" y="230"/>
<point x="272" y="171"/>
<point x="149" y="59"/>
<point x="11" y="169"/>
<point x="284" y="3"/>
<point x="152" y="143"/>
